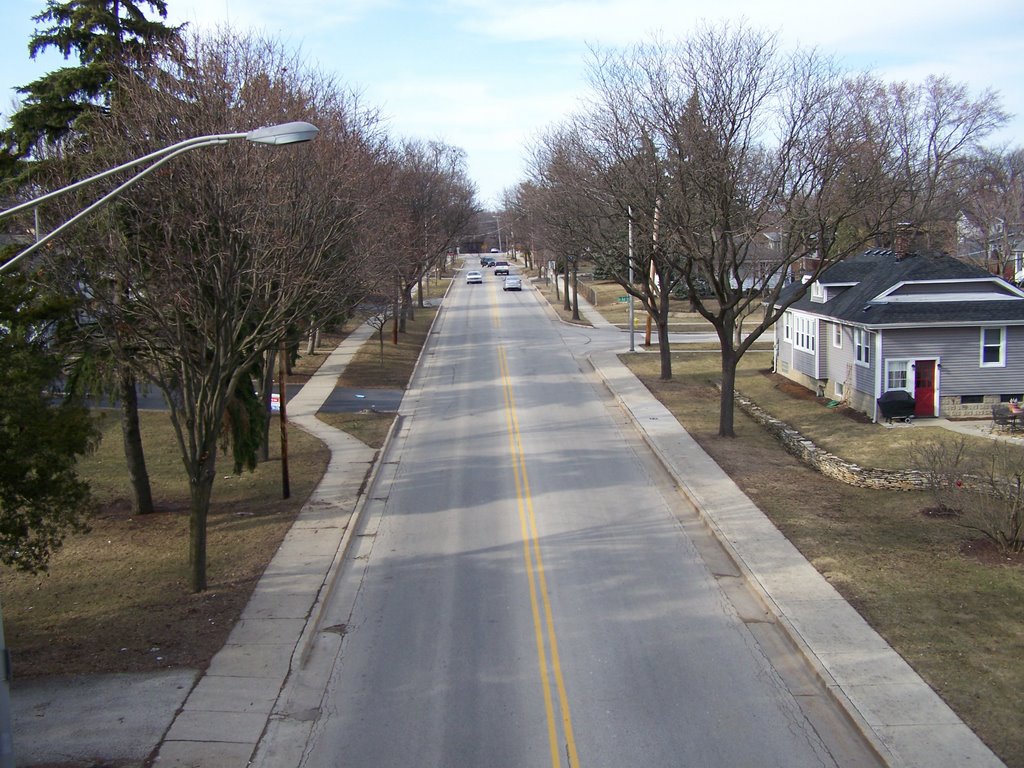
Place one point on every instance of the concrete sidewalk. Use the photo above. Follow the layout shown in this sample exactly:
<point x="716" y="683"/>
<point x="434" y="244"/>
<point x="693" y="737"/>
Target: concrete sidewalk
<point x="905" y="720"/>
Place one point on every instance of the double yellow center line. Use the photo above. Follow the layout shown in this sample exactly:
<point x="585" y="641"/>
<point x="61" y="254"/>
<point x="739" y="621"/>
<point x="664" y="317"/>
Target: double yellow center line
<point x="543" y="620"/>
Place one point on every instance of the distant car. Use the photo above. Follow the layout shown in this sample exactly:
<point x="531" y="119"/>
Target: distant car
<point x="495" y="250"/>
<point x="513" y="283"/>
<point x="474" y="277"/>
<point x="501" y="267"/>
<point x="486" y="261"/>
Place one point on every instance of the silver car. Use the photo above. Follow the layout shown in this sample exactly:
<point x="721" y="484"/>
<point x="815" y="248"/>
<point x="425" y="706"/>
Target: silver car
<point x="513" y="283"/>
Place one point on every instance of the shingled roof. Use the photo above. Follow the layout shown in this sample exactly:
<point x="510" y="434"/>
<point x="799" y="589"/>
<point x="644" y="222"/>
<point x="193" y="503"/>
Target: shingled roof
<point x="878" y="288"/>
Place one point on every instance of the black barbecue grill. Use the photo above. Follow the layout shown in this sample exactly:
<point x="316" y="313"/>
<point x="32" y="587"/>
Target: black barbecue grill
<point x="897" y="404"/>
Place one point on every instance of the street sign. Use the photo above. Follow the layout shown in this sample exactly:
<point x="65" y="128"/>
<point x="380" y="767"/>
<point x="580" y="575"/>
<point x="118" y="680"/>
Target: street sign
<point x="622" y="299"/>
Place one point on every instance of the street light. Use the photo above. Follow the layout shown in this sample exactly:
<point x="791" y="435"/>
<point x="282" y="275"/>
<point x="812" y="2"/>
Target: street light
<point x="285" y="133"/>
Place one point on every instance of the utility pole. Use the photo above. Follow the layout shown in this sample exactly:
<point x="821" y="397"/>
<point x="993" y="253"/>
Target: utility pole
<point x="282" y="388"/>
<point x="632" y="329"/>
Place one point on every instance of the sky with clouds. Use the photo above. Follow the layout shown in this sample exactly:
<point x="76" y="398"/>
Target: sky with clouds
<point x="489" y="75"/>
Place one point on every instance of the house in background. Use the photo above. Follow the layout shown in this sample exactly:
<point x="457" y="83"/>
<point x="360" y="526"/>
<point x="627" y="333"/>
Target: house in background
<point x="949" y="333"/>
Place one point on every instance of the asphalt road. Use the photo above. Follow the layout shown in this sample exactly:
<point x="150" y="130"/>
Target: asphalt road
<point x="523" y="593"/>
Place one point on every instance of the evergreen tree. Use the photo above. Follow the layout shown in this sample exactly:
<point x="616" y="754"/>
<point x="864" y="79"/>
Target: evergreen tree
<point x="109" y="38"/>
<point x="106" y="36"/>
<point x="41" y="498"/>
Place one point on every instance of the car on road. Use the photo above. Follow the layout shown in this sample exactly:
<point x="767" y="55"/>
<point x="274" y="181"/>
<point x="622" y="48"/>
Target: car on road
<point x="501" y="267"/>
<point x="513" y="283"/>
<point x="486" y="261"/>
<point x="473" y="276"/>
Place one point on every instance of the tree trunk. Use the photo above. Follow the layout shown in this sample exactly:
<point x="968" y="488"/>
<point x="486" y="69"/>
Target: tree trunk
<point x="726" y="402"/>
<point x="664" y="345"/>
<point x="567" y="300"/>
<point x="267" y="389"/>
<point x="311" y="339"/>
<point x="200" y="489"/>
<point x="575" y="292"/>
<point x="138" y="477"/>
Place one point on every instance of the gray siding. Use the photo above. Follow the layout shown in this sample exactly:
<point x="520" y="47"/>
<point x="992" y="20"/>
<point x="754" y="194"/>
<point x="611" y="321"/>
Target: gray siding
<point x="959" y="352"/>
<point x="864" y="377"/>
<point x="824" y="346"/>
<point x="804" y="363"/>
<point x="841" y="366"/>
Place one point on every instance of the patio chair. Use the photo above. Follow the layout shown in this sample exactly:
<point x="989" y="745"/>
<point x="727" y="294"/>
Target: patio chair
<point x="1003" y="418"/>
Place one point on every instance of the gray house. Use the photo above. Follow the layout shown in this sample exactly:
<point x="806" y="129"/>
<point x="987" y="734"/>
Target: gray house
<point x="949" y="333"/>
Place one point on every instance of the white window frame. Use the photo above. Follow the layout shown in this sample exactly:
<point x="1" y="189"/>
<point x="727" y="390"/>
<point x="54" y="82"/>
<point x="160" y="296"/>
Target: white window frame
<point x="817" y="292"/>
<point x="839" y="388"/>
<point x="1001" y="347"/>
<point x="862" y="346"/>
<point x="787" y="326"/>
<point x="901" y="366"/>
<point x="805" y="334"/>
<point x="837" y="336"/>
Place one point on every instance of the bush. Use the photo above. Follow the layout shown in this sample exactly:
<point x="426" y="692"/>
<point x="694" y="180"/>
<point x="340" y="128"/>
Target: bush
<point x="982" y="488"/>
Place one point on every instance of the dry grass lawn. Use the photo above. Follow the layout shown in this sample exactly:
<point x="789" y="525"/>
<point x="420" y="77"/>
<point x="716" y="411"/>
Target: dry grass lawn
<point x="117" y="598"/>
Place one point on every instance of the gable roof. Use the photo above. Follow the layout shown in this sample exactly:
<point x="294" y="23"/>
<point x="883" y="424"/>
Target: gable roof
<point x="877" y="289"/>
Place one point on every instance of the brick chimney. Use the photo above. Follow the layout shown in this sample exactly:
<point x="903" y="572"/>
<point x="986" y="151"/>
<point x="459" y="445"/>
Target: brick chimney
<point x="901" y="241"/>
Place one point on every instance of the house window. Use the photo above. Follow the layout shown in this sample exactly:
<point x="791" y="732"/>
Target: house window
<point x="862" y="346"/>
<point x="839" y="390"/>
<point x="897" y="375"/>
<point x="817" y="293"/>
<point x="804" y="334"/>
<point x="837" y="336"/>
<point x="993" y="347"/>
<point x="972" y="399"/>
<point x="787" y="323"/>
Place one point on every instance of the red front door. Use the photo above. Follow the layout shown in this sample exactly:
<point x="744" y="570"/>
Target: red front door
<point x="924" y="388"/>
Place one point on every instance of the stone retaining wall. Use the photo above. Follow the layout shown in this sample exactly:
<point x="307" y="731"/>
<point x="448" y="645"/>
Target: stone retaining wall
<point x="829" y="464"/>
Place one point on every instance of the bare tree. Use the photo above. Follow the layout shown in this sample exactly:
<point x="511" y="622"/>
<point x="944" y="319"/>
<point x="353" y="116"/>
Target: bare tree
<point x="432" y="201"/>
<point x="230" y="246"/>
<point x="994" y="210"/>
<point x="741" y="164"/>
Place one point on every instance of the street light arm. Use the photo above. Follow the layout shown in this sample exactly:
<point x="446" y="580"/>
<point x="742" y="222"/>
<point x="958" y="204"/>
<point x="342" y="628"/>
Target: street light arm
<point x="174" y="149"/>
<point x="285" y="133"/>
<point x="193" y="144"/>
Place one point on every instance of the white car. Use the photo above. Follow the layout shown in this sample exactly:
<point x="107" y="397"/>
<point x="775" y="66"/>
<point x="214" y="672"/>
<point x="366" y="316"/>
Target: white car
<point x="474" y="276"/>
<point x="513" y="283"/>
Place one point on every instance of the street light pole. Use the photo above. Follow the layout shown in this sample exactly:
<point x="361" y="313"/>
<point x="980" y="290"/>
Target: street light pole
<point x="285" y="133"/>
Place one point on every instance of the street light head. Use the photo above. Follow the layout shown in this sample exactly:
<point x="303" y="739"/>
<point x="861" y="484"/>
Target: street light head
<point x="285" y="133"/>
